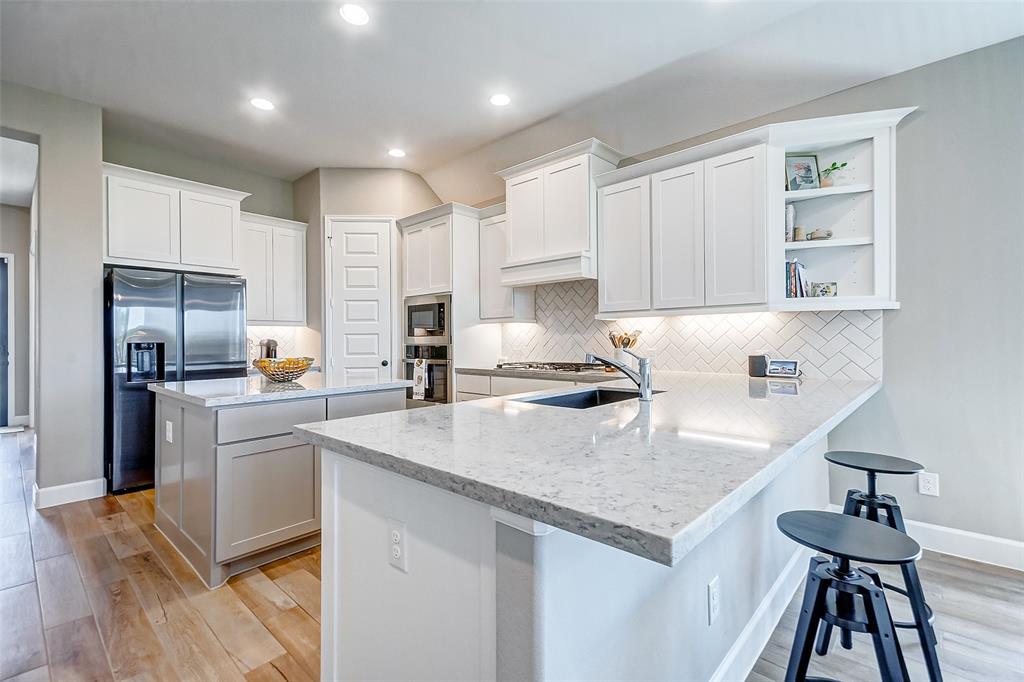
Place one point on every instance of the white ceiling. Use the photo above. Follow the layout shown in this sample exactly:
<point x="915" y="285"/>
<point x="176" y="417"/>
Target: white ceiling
<point x="417" y="77"/>
<point x="18" y="163"/>
<point x="179" y="73"/>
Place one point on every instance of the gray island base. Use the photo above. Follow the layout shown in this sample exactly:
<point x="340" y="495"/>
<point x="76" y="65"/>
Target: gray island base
<point x="543" y="543"/>
<point x="234" y="488"/>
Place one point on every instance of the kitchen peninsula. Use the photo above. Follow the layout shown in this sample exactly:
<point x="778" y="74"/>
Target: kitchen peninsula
<point x="529" y="541"/>
<point x="234" y="488"/>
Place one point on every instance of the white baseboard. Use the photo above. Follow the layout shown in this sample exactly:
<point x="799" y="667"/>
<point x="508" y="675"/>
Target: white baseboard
<point x="988" y="549"/>
<point x="744" y="652"/>
<point x="69" y="492"/>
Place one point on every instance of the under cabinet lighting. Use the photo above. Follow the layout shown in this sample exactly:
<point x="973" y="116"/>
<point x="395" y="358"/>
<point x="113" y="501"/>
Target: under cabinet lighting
<point x="260" y="103"/>
<point x="397" y="153"/>
<point x="354" y="14"/>
<point x="500" y="99"/>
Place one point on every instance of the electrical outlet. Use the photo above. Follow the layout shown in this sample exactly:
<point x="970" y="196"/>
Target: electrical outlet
<point x="714" y="600"/>
<point x="928" y="484"/>
<point x="169" y="431"/>
<point x="397" y="546"/>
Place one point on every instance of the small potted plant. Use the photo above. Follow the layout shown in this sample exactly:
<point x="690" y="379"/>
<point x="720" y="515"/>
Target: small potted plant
<point x="826" y="175"/>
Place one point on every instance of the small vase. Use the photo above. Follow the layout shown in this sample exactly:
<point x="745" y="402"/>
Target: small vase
<point x="826" y="181"/>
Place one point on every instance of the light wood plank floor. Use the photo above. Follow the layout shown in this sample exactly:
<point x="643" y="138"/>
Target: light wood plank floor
<point x="979" y="621"/>
<point x="92" y="591"/>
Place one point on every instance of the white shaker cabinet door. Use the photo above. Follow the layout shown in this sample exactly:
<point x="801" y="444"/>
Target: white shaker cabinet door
<point x="142" y="221"/>
<point x="677" y="237"/>
<point x="734" y="228"/>
<point x="210" y="231"/>
<point x="289" y="293"/>
<point x="524" y="207"/>
<point x="439" y="250"/>
<point x="567" y="206"/>
<point x="624" y="254"/>
<point x="416" y="261"/>
<point x="257" y="268"/>
<point x="496" y="301"/>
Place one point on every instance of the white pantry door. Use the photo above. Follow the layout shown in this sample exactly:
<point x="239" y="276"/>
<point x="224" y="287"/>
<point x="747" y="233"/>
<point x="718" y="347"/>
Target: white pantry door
<point x="358" y="298"/>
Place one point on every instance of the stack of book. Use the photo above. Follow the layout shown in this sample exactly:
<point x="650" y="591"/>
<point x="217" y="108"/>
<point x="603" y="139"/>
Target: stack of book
<point x="796" y="280"/>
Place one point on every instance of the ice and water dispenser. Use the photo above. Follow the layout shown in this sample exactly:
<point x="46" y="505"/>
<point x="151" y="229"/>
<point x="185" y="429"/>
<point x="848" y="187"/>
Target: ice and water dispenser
<point x="145" y="361"/>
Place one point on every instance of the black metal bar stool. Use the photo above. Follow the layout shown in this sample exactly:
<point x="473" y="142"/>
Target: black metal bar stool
<point x="869" y="504"/>
<point x="839" y="595"/>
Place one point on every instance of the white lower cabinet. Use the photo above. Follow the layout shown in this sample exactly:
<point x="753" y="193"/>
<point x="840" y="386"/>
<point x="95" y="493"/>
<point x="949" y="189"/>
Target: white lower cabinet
<point x="274" y="267"/>
<point x="687" y="237"/>
<point x="153" y="219"/>
<point x="500" y="303"/>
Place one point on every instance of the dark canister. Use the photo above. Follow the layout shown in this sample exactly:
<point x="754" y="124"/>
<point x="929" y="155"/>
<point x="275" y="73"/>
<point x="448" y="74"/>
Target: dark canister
<point x="757" y="365"/>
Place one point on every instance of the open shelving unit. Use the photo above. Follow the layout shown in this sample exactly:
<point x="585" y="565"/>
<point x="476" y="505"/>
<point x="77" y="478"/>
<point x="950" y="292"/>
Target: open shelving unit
<point x="858" y="209"/>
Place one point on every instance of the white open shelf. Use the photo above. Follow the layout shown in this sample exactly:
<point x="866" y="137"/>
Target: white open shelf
<point x="822" y="243"/>
<point x="805" y="194"/>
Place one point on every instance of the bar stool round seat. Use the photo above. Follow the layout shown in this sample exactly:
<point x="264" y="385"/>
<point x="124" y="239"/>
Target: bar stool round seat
<point x="872" y="461"/>
<point x="848" y="537"/>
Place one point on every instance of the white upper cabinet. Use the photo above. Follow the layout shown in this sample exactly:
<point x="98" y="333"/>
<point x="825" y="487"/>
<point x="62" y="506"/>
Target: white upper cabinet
<point x="142" y="221"/>
<point x="677" y="237"/>
<point x="258" y="270"/>
<point x="625" y="253"/>
<point x="567" y="206"/>
<point x="154" y="219"/>
<point x="427" y="253"/>
<point x="552" y="214"/>
<point x="734" y="228"/>
<point x="717" y="219"/>
<point x="525" y="205"/>
<point x="210" y="231"/>
<point x="274" y="267"/>
<point x="500" y="303"/>
<point x="290" y="275"/>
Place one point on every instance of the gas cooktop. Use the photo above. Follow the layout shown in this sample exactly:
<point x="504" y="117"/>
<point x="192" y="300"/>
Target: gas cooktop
<point x="553" y="366"/>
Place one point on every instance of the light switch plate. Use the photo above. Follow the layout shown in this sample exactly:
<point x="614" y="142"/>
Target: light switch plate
<point x="169" y="431"/>
<point x="714" y="600"/>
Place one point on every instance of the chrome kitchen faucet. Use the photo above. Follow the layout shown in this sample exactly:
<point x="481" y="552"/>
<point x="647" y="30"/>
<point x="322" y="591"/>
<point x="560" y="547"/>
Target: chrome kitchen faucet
<point x="641" y="377"/>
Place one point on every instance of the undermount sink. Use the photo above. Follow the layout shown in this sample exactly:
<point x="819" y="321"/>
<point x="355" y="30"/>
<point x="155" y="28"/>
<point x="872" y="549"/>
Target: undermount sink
<point x="583" y="400"/>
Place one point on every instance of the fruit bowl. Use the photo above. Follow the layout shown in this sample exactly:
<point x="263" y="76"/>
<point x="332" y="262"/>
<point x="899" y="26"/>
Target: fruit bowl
<point x="283" y="369"/>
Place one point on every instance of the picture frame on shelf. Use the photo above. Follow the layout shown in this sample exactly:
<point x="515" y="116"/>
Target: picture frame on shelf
<point x="789" y="369"/>
<point x="824" y="289"/>
<point x="802" y="172"/>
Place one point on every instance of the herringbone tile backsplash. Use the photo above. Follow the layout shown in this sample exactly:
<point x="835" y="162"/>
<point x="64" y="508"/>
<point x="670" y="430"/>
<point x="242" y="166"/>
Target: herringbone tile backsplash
<point x="845" y="344"/>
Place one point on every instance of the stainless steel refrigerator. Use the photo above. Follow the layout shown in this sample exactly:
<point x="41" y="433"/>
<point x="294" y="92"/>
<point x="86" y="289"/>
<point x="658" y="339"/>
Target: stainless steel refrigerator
<point x="161" y="326"/>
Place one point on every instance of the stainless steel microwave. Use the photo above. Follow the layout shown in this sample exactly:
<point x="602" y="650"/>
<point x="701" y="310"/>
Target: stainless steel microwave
<point x="428" y="320"/>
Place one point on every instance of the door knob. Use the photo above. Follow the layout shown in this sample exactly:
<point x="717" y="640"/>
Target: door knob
<point x="383" y="363"/>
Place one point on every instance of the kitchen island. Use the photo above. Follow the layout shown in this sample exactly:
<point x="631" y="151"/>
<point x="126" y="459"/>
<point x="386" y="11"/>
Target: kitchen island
<point x="234" y="488"/>
<point x="529" y="541"/>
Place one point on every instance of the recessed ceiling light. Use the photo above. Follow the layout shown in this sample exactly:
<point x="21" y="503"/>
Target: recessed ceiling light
<point x="501" y="100"/>
<point x="397" y="153"/>
<point x="260" y="103"/>
<point x="354" y="14"/>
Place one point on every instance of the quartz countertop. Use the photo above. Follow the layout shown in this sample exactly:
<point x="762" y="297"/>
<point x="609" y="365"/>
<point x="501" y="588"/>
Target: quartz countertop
<point x="586" y="377"/>
<point x="258" y="389"/>
<point x="653" y="479"/>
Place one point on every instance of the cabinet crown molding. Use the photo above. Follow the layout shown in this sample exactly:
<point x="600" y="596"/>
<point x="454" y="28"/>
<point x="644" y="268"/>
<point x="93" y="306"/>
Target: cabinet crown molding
<point x="272" y="221"/>
<point x="450" y="208"/>
<point x="167" y="180"/>
<point x="824" y="130"/>
<point x="492" y="211"/>
<point x="591" y="146"/>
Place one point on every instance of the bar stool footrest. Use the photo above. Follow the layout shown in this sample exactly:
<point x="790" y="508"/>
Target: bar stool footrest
<point x="908" y="625"/>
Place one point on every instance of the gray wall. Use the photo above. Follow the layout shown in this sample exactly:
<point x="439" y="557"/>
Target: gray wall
<point x="69" y="412"/>
<point x="270" y="196"/>
<point x="15" y="234"/>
